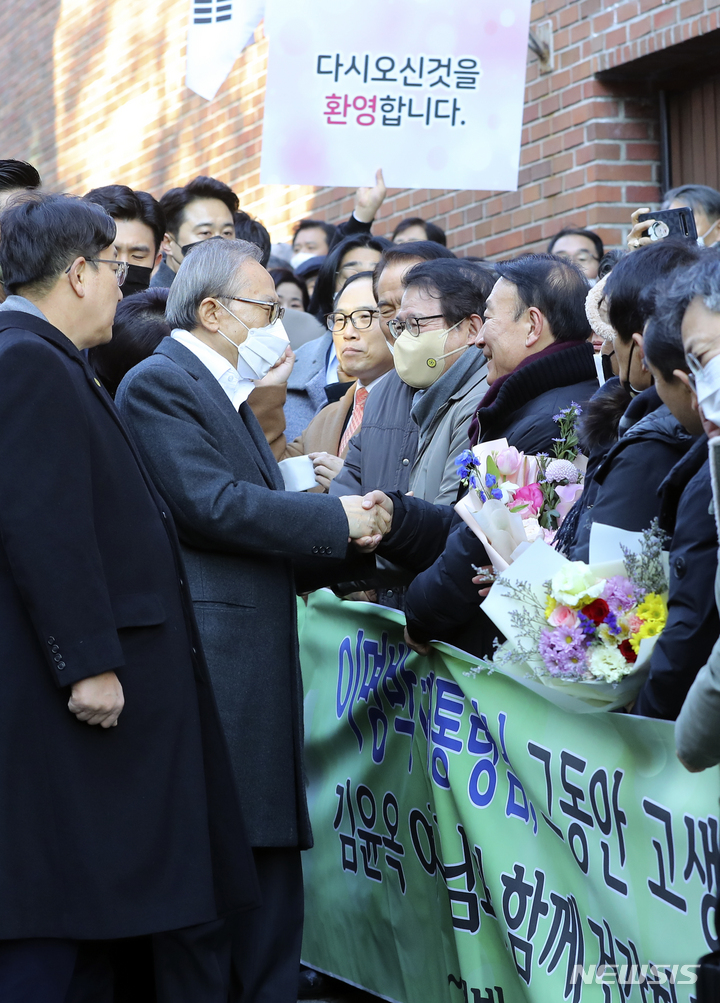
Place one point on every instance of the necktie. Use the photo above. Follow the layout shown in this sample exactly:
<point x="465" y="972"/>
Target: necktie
<point x="355" y="418"/>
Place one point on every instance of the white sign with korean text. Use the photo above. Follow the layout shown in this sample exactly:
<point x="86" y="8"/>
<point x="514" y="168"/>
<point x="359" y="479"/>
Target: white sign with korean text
<point x="431" y="90"/>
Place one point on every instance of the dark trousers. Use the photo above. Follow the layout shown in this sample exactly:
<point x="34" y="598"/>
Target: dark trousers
<point x="252" y="957"/>
<point x="37" y="970"/>
<point x="266" y="941"/>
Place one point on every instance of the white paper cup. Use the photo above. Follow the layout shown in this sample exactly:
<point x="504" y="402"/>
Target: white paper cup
<point x="298" y="473"/>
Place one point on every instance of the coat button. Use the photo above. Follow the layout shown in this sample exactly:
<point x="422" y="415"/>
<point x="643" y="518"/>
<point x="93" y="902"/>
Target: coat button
<point x="680" y="567"/>
<point x="61" y="666"/>
<point x="58" y="658"/>
<point x="405" y="462"/>
<point x="51" y="640"/>
<point x="181" y="583"/>
<point x="164" y="515"/>
<point x="55" y="647"/>
<point x="328" y="550"/>
<point x="315" y="550"/>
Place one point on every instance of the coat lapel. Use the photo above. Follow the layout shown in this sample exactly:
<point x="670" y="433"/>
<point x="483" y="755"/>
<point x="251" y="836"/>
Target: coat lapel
<point x="244" y="421"/>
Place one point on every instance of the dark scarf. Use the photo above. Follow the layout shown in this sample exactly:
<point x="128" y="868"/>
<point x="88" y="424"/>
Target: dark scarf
<point x="559" y="365"/>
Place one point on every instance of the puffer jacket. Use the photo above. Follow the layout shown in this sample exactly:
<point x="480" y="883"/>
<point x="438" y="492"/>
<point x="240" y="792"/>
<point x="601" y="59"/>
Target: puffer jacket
<point x="693" y="623"/>
<point x="623" y="491"/>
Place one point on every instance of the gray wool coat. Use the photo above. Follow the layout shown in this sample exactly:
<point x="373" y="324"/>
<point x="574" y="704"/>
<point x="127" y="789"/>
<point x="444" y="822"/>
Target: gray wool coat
<point x="242" y="536"/>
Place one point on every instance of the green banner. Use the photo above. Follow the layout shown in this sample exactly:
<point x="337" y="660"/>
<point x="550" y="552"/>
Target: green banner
<point x="474" y="842"/>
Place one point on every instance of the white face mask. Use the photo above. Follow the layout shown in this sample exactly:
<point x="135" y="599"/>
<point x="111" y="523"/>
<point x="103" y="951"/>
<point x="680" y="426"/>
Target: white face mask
<point x="418" y="361"/>
<point x="299" y="257"/>
<point x="261" y="349"/>
<point x="701" y="239"/>
<point x="707" y="388"/>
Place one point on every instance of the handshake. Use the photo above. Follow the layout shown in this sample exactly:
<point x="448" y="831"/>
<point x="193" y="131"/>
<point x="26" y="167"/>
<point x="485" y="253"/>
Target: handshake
<point x="369" y="519"/>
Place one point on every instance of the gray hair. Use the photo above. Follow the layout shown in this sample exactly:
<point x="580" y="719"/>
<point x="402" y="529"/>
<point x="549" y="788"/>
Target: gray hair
<point x="697" y="197"/>
<point x="701" y="280"/>
<point x="210" y="269"/>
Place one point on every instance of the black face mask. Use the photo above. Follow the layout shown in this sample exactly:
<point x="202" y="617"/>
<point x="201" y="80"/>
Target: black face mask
<point x="137" y="280"/>
<point x="188" y="247"/>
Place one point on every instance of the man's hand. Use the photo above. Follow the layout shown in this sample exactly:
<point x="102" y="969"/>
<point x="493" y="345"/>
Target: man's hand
<point x="97" y="699"/>
<point x="326" y="467"/>
<point x="368" y="519"/>
<point x="369" y="200"/>
<point x="280" y="372"/>
<point x="385" y="511"/>
<point x="638" y="235"/>
<point x="417" y="646"/>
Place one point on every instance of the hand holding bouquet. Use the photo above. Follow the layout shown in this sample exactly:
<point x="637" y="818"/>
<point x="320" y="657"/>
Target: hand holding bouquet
<point x="580" y="628"/>
<point x="514" y="499"/>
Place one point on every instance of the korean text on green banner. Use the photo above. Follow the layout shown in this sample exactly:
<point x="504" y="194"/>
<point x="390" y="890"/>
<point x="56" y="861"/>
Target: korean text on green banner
<point x="474" y="842"/>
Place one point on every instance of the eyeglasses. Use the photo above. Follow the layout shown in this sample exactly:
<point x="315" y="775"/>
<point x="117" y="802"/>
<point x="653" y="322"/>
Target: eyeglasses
<point x="412" y="325"/>
<point x="361" y="320"/>
<point x="276" y="310"/>
<point x="119" y="267"/>
<point x="695" y="369"/>
<point x="581" y="258"/>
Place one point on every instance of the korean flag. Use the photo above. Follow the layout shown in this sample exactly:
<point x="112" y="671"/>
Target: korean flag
<point x="218" y="32"/>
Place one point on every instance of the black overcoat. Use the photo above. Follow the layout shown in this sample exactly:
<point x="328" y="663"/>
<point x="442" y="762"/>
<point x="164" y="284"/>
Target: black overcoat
<point x="133" y="829"/>
<point x="242" y="536"/>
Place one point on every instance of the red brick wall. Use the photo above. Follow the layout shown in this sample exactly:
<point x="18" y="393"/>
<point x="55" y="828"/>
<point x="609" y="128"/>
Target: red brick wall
<point x="95" y="94"/>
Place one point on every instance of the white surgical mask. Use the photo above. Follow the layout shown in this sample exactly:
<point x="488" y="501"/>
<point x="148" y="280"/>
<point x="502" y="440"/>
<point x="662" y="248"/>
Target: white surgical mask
<point x="701" y="239"/>
<point x="418" y="361"/>
<point x="261" y="349"/>
<point x="299" y="257"/>
<point x="707" y="388"/>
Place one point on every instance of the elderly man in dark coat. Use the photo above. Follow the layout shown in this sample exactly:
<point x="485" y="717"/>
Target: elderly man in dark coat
<point x="118" y="813"/>
<point x="539" y="360"/>
<point x="243" y="539"/>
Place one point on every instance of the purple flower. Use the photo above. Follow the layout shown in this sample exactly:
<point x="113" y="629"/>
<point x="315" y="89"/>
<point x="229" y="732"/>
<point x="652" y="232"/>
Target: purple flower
<point x="621" y="593"/>
<point x="611" y="621"/>
<point x="587" y="626"/>
<point x="563" y="651"/>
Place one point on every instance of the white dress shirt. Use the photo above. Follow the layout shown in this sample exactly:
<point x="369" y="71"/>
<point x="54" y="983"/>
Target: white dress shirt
<point x="237" y="388"/>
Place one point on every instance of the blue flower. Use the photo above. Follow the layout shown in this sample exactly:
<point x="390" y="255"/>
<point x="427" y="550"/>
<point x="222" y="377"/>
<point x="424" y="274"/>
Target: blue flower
<point x="465" y="463"/>
<point x="490" y="480"/>
<point x="496" y="493"/>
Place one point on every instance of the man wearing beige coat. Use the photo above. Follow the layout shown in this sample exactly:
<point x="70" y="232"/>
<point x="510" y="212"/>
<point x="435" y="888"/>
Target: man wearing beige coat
<point x="363" y="355"/>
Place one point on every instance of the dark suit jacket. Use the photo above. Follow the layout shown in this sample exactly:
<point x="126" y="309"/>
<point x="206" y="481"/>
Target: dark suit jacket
<point x="241" y="534"/>
<point x="103" y="833"/>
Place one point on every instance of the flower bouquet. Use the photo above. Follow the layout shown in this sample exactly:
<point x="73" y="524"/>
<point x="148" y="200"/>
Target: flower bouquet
<point x="582" y="631"/>
<point x="514" y="499"/>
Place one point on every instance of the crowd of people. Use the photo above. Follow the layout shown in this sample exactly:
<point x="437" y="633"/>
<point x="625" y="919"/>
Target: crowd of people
<point x="160" y="360"/>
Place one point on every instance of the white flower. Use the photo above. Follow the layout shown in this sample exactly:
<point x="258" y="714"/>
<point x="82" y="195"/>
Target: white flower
<point x="607" y="663"/>
<point x="575" y="582"/>
<point x="533" y="530"/>
<point x="561" y="470"/>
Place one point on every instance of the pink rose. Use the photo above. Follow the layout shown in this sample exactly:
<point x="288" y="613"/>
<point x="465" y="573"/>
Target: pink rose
<point x="563" y="616"/>
<point x="532" y="496"/>
<point x="509" y="462"/>
<point x="568" y="495"/>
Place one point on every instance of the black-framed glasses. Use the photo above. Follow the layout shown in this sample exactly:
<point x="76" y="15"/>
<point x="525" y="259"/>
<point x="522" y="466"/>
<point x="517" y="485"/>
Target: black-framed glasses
<point x="119" y="267"/>
<point x="413" y="325"/>
<point x="276" y="310"/>
<point x="361" y="320"/>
